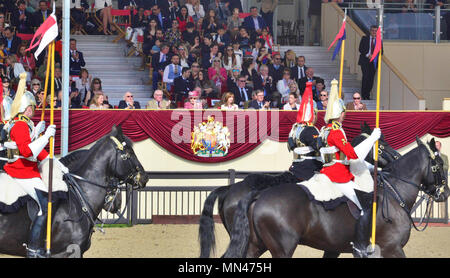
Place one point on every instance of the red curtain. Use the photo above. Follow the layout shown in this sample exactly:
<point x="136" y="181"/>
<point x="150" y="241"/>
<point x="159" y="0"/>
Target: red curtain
<point x="171" y="129"/>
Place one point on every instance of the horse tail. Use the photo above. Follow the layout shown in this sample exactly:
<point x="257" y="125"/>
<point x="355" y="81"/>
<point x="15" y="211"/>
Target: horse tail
<point x="241" y="228"/>
<point x="206" y="225"/>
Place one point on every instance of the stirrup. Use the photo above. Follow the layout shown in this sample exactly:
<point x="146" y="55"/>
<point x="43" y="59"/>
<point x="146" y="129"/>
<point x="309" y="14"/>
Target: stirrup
<point x="368" y="252"/>
<point x="35" y="253"/>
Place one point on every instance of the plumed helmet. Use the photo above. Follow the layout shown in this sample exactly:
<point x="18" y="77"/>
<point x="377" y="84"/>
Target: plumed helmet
<point x="335" y="105"/>
<point x="306" y="111"/>
<point x="23" y="98"/>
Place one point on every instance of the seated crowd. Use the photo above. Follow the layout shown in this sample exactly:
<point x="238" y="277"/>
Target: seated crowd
<point x="201" y="57"/>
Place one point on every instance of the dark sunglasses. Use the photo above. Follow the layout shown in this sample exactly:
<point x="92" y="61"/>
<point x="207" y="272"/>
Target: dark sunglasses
<point x="356" y="98"/>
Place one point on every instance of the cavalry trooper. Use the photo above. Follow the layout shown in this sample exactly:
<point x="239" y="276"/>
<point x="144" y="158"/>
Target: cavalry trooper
<point x="23" y="160"/>
<point x="339" y="158"/>
<point x="303" y="139"/>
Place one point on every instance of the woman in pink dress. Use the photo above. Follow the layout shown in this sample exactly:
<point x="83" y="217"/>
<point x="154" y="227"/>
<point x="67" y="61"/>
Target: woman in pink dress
<point x="194" y="102"/>
<point x="218" y="74"/>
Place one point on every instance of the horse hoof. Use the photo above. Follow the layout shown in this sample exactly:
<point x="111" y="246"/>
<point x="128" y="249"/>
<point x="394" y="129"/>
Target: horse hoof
<point x="73" y="251"/>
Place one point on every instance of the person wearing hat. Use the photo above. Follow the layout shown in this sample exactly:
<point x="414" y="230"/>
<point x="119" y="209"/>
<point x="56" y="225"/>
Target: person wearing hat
<point x="193" y="102"/>
<point x="303" y="139"/>
<point x="339" y="157"/>
<point x="23" y="160"/>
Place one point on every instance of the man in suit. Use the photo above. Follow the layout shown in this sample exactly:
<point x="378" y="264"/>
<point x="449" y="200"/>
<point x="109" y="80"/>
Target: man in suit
<point x="76" y="59"/>
<point x="221" y="9"/>
<point x="366" y="48"/>
<point x="12" y="42"/>
<point x="159" y="61"/>
<point x="162" y="20"/>
<point x="254" y="23"/>
<point x="128" y="102"/>
<point x="183" y="85"/>
<point x="299" y="71"/>
<point x="259" y="102"/>
<point x="276" y="68"/>
<point x="58" y="79"/>
<point x="267" y="9"/>
<point x="41" y="15"/>
<point x="158" y="102"/>
<point x="22" y="19"/>
<point x="242" y="94"/>
<point x="264" y="82"/>
<point x="308" y="78"/>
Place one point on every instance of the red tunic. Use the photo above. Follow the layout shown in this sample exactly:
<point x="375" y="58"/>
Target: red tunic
<point x="339" y="172"/>
<point x="23" y="168"/>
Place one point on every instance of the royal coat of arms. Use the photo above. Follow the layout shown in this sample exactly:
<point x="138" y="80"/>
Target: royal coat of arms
<point x="210" y="139"/>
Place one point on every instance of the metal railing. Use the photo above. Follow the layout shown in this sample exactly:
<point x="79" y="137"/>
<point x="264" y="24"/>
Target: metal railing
<point x="181" y="201"/>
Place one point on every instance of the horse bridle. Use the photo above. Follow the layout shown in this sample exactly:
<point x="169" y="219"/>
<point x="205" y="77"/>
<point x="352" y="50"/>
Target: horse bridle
<point x="380" y="147"/>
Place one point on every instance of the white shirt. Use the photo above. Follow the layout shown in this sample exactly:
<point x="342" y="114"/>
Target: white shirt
<point x="225" y="107"/>
<point x="166" y="73"/>
<point x="283" y="87"/>
<point x="191" y="10"/>
<point x="287" y="106"/>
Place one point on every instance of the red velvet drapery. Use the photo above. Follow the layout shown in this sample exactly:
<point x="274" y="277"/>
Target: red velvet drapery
<point x="171" y="129"/>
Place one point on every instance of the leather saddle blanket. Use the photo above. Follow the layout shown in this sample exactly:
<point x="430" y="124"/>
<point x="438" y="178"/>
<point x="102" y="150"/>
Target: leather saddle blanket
<point x="320" y="189"/>
<point x="12" y="196"/>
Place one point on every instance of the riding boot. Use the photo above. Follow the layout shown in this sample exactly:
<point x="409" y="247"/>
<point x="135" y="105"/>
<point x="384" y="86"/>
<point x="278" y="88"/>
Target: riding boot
<point x="363" y="225"/>
<point x="34" y="249"/>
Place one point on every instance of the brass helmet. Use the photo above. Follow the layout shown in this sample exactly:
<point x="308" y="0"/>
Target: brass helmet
<point x="23" y="98"/>
<point x="6" y="108"/>
<point x="335" y="105"/>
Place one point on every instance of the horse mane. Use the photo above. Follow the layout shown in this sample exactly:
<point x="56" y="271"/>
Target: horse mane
<point x="73" y="156"/>
<point x="395" y="165"/>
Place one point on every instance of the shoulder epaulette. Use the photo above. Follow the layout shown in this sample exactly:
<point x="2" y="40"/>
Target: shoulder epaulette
<point x="336" y="125"/>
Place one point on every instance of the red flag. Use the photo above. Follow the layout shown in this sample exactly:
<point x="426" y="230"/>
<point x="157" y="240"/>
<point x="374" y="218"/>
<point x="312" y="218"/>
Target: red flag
<point x="339" y="35"/>
<point x="306" y="111"/>
<point x="45" y="34"/>
<point x="377" y="45"/>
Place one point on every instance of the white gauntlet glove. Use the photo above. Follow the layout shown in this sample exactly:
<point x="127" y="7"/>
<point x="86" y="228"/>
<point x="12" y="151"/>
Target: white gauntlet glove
<point x="364" y="147"/>
<point x="40" y="127"/>
<point x="39" y="144"/>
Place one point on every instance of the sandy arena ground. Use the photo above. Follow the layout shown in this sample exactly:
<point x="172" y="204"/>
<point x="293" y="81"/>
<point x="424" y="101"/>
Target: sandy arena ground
<point x="180" y="241"/>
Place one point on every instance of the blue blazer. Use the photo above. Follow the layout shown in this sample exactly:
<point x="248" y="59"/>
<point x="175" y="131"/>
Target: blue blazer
<point x="250" y="25"/>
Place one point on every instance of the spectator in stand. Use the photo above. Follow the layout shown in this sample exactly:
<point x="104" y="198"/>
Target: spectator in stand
<point x="267" y="38"/>
<point x="256" y="49"/>
<point x="207" y="88"/>
<point x="230" y="61"/>
<point x="292" y="103"/>
<point x="140" y="20"/>
<point x="323" y="102"/>
<point x="190" y="33"/>
<point x="183" y="19"/>
<point x="39" y="99"/>
<point x="299" y="71"/>
<point x="368" y="69"/>
<point x="22" y="19"/>
<point x="249" y="70"/>
<point x="228" y="102"/>
<point x="308" y="78"/>
<point x="12" y="42"/>
<point x="83" y="84"/>
<point x="222" y="38"/>
<point x="234" y="22"/>
<point x="264" y="57"/>
<point x="162" y="20"/>
<point x="233" y="78"/>
<point x="320" y="86"/>
<point x="97" y="102"/>
<point x="159" y="62"/>
<point x="276" y="68"/>
<point x="14" y="69"/>
<point x="210" y="23"/>
<point x="172" y="9"/>
<point x="27" y="60"/>
<point x="195" y="70"/>
<point x="195" y="9"/>
<point x="158" y="102"/>
<point x="194" y="102"/>
<point x="195" y="49"/>
<point x="293" y="88"/>
<point x="128" y="102"/>
<point x="356" y="104"/>
<point x="183" y="85"/>
<point x="173" y="35"/>
<point x="262" y="81"/>
<point x="221" y="11"/>
<point x="237" y="51"/>
<point x="35" y="86"/>
<point x="242" y="93"/>
<point x="172" y="71"/>
<point x="233" y="4"/>
<point x="74" y="98"/>
<point x="77" y="12"/>
<point x="443" y="156"/>
<point x="58" y="79"/>
<point x="150" y="36"/>
<point x="218" y="75"/>
<point x="186" y="59"/>
<point x="105" y="7"/>
<point x="205" y="46"/>
<point x="254" y="23"/>
<point x="96" y="89"/>
<point x="41" y="14"/>
<point x="244" y="40"/>
<point x="207" y="59"/>
<point x="76" y="60"/>
<point x="283" y="85"/>
<point x="259" y="102"/>
<point x="267" y="9"/>
<point x="7" y="90"/>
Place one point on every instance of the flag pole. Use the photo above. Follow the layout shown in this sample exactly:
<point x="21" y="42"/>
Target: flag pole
<point x="377" y="125"/>
<point x="342" y="60"/>
<point x="52" y="140"/>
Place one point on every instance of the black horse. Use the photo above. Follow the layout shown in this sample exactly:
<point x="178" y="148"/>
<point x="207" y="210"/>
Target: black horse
<point x="97" y="172"/>
<point x="282" y="217"/>
<point x="229" y="196"/>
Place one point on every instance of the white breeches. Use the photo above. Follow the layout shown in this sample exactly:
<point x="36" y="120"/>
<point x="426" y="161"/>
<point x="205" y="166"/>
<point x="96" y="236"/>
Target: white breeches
<point x="29" y="186"/>
<point x="348" y="190"/>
